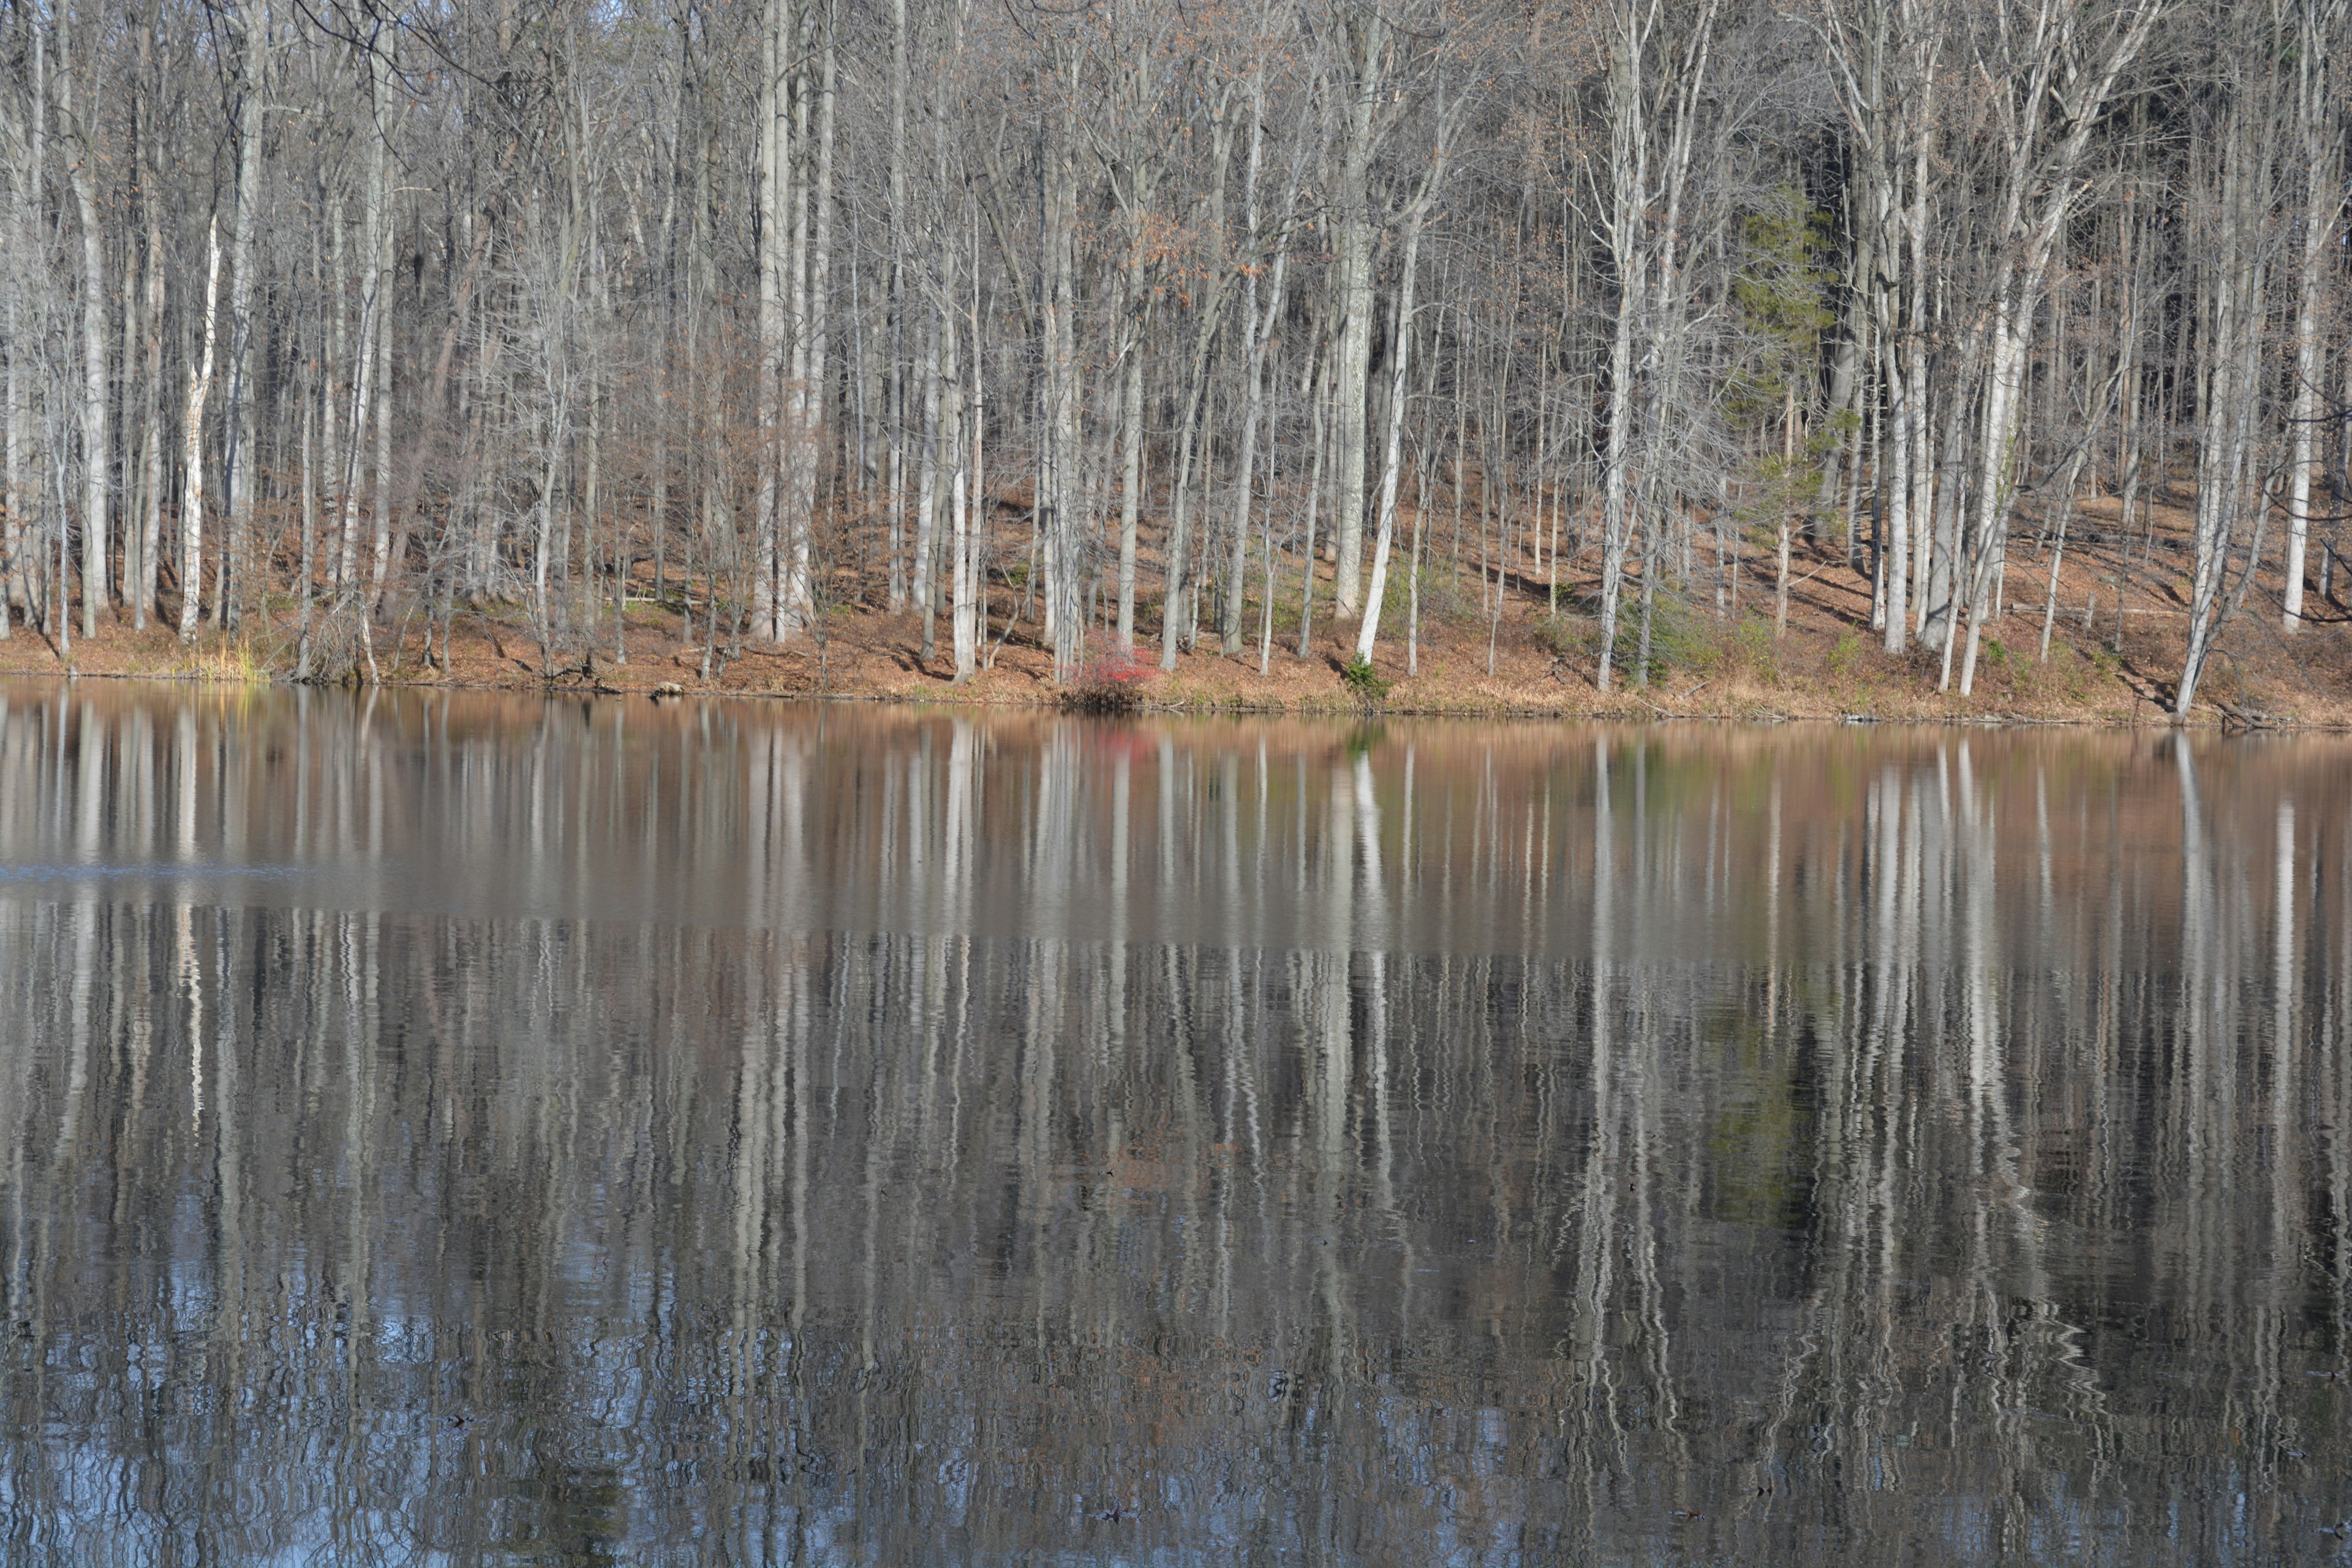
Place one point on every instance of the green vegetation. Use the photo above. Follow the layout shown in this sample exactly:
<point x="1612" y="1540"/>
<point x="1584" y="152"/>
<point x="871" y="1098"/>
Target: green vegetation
<point x="1369" y="685"/>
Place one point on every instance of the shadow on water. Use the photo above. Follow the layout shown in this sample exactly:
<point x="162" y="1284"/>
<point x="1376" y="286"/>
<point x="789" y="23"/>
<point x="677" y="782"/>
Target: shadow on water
<point x="462" y="1129"/>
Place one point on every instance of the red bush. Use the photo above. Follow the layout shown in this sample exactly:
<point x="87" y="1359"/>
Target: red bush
<point x="1113" y="683"/>
<point x="1115" y="672"/>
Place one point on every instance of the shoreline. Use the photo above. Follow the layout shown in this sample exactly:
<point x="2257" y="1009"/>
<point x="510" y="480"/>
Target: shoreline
<point x="1523" y="666"/>
<point x="619" y="683"/>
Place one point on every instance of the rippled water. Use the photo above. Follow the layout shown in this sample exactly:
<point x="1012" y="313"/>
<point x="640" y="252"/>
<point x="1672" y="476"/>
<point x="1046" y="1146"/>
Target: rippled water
<point x="466" y="1130"/>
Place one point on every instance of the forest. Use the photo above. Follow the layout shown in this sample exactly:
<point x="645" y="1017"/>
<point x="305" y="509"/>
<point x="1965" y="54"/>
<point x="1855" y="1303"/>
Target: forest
<point x="1121" y="329"/>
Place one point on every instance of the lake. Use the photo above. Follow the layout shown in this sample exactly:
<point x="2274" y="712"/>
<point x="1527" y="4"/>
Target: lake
<point x="462" y="1129"/>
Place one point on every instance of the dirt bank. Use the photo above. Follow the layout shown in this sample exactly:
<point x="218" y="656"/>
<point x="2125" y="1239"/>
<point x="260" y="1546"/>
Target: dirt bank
<point x="1708" y="660"/>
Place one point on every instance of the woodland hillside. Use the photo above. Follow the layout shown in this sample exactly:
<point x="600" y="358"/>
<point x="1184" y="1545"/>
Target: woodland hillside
<point x="1628" y="348"/>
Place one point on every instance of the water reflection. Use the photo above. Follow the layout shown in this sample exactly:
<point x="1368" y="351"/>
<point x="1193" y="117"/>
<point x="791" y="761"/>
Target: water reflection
<point x="452" y="1130"/>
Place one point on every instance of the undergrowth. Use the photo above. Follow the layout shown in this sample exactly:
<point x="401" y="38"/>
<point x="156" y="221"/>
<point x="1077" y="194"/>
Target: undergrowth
<point x="1369" y="686"/>
<point x="1112" y="683"/>
<point x="233" y="659"/>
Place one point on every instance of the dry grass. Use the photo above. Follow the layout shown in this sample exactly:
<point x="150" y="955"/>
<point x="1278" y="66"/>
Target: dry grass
<point x="234" y="657"/>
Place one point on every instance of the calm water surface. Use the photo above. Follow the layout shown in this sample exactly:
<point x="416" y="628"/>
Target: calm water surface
<point x="458" y="1130"/>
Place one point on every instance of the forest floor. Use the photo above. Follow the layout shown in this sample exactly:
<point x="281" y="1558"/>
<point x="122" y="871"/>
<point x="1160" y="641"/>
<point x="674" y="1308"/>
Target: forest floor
<point x="1707" y="662"/>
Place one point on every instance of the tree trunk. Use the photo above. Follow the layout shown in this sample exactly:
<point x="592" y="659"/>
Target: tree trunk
<point x="82" y="173"/>
<point x="306" y="586"/>
<point x="809" y="401"/>
<point x="380" y="535"/>
<point x="1365" y="45"/>
<point x="1057" y="499"/>
<point x="775" y="155"/>
<point x="968" y="498"/>
<point x="2229" y="341"/>
<point x="192" y="493"/>
<point x="1258" y="327"/>
<point x="1320" y="444"/>
<point x="2323" y="203"/>
<point x="240" y="473"/>
<point x="1628" y="252"/>
<point x="1175" y="613"/>
<point x="1392" y="460"/>
<point x="147" y="539"/>
<point x="15" y="442"/>
<point x="929" y="454"/>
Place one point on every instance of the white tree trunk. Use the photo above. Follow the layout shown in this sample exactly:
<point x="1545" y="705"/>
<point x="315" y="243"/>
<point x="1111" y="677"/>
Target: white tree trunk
<point x="1258" y="327"/>
<point x="1392" y="460"/>
<point x="379" y="536"/>
<point x="813" y="339"/>
<point x="894" y="293"/>
<point x="775" y="151"/>
<point x="95" y="455"/>
<point x="364" y="381"/>
<point x="2324" y="202"/>
<point x="927" y="480"/>
<point x="139" y="574"/>
<point x="1628" y="140"/>
<point x="1056" y="502"/>
<point x="241" y="472"/>
<point x="969" y="505"/>
<point x="2229" y="339"/>
<point x="1364" y="39"/>
<point x="14" y="434"/>
<point x="192" y="504"/>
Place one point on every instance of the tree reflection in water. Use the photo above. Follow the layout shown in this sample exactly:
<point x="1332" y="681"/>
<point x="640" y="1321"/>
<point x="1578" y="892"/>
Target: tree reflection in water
<point x="462" y="1129"/>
